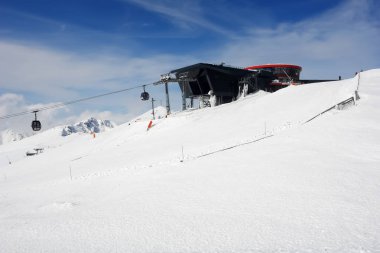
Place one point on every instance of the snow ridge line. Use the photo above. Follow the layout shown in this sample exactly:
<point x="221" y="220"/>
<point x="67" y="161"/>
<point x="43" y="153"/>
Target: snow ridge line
<point x="235" y="146"/>
<point x="135" y="168"/>
<point x="271" y="133"/>
<point x="338" y="105"/>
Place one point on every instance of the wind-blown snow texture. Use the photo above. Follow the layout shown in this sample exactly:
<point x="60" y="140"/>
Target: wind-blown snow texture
<point x="9" y="135"/>
<point x="308" y="187"/>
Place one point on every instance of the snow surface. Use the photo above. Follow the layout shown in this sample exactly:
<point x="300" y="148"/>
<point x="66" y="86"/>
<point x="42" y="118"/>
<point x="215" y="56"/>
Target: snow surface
<point x="254" y="177"/>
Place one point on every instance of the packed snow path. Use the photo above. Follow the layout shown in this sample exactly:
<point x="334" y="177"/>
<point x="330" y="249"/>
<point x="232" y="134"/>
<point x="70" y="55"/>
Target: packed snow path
<point x="311" y="187"/>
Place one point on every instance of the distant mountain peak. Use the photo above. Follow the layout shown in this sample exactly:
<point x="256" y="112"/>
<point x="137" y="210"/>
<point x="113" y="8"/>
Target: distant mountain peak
<point x="92" y="125"/>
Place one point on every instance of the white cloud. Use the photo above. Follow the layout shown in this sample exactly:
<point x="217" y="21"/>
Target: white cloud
<point x="50" y="75"/>
<point x="182" y="13"/>
<point x="32" y="18"/>
<point x="14" y="103"/>
<point x="338" y="42"/>
<point x="11" y="103"/>
<point x="59" y="74"/>
<point x="103" y="115"/>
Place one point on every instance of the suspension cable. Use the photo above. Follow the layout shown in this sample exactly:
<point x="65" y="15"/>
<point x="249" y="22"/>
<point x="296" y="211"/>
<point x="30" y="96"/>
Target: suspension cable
<point x="63" y="104"/>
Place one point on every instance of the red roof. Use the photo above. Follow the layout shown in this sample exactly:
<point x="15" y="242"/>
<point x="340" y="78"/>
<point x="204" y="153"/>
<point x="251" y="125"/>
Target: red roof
<point x="275" y="66"/>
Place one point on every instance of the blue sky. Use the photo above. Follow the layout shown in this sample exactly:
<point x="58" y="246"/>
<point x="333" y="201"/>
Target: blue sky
<point x="54" y="51"/>
<point x="147" y="26"/>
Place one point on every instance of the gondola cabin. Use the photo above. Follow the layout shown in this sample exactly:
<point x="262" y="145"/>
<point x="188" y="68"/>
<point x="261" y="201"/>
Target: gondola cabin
<point x="36" y="125"/>
<point x="144" y="96"/>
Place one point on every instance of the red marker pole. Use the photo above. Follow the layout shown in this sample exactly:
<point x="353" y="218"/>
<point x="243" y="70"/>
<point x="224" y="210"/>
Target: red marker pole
<point x="149" y="125"/>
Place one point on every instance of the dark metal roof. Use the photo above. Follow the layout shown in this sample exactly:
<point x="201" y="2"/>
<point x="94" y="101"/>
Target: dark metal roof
<point x="219" y="68"/>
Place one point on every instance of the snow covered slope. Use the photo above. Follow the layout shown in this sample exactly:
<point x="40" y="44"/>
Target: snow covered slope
<point x="159" y="112"/>
<point x="254" y="177"/>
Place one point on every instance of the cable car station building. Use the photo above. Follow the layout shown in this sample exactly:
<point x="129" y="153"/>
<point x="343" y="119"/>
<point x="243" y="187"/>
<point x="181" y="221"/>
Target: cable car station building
<point x="215" y="84"/>
<point x="221" y="84"/>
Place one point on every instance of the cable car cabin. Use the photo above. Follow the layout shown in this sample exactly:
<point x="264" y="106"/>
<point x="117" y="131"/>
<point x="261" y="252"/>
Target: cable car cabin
<point x="36" y="125"/>
<point x="144" y="95"/>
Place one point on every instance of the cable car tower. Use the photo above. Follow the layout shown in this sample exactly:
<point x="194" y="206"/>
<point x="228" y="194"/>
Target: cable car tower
<point x="167" y="78"/>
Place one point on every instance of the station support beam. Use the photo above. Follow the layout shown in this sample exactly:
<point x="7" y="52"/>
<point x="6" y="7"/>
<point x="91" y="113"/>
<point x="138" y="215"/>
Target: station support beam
<point x="167" y="99"/>
<point x="183" y="97"/>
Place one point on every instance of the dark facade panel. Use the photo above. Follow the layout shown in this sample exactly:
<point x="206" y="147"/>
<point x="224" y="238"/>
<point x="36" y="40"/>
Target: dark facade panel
<point x="223" y="80"/>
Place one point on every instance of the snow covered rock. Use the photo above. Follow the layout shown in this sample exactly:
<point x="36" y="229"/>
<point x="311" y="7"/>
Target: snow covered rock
<point x="88" y="126"/>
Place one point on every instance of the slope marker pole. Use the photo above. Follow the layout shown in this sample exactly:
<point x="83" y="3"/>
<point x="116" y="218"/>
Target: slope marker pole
<point x="71" y="176"/>
<point x="265" y="128"/>
<point x="183" y="157"/>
